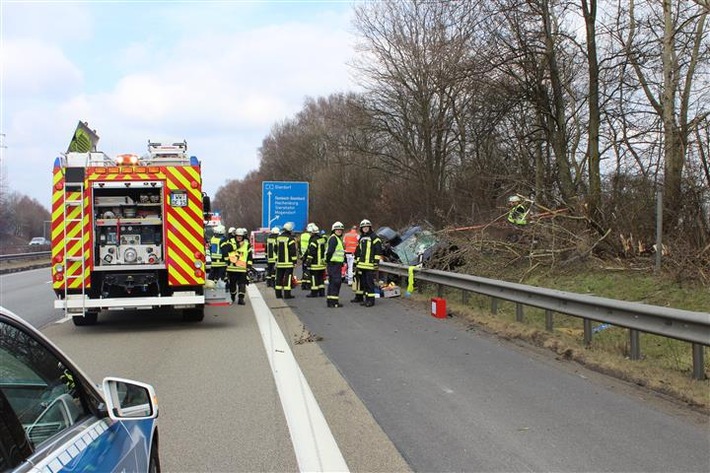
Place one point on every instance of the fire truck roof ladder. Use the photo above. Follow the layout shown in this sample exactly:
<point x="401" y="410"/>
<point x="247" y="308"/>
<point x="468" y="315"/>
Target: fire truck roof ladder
<point x="168" y="154"/>
<point x="74" y="232"/>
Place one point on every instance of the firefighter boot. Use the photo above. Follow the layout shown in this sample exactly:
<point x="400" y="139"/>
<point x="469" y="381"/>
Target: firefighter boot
<point x="357" y="299"/>
<point x="314" y="293"/>
<point x="369" y="302"/>
<point x="241" y="299"/>
<point x="330" y="303"/>
<point x="321" y="292"/>
<point x="287" y="294"/>
<point x="278" y="294"/>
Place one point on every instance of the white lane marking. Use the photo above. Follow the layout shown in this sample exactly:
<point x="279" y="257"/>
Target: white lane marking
<point x="313" y="442"/>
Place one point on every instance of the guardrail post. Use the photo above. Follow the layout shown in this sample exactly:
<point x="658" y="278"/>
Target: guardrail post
<point x="440" y="290"/>
<point x="494" y="305"/>
<point x="548" y="320"/>
<point x="698" y="362"/>
<point x="519" y="312"/>
<point x="464" y="297"/>
<point x="635" y="343"/>
<point x="587" y="332"/>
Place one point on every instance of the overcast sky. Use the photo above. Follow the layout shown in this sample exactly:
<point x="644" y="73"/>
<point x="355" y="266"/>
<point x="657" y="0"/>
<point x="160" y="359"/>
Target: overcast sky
<point x="217" y="74"/>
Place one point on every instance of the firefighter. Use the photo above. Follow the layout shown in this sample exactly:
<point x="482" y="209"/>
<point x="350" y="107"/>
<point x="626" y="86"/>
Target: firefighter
<point x="367" y="257"/>
<point x="224" y="247"/>
<point x="303" y="242"/>
<point x="218" y="265"/>
<point x="334" y="257"/>
<point x="350" y="244"/>
<point x="238" y="252"/>
<point x="518" y="214"/>
<point x="271" y="256"/>
<point x="286" y="256"/>
<point x="315" y="257"/>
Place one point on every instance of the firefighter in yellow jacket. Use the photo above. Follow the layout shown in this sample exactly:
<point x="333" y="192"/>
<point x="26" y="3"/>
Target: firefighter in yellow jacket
<point x="286" y="256"/>
<point x="367" y="257"/>
<point x="315" y="258"/>
<point x="218" y="265"/>
<point x="334" y="258"/>
<point x="303" y="242"/>
<point x="271" y="256"/>
<point x="238" y="254"/>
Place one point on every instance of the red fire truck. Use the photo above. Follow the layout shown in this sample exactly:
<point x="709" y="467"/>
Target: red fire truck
<point x="128" y="233"/>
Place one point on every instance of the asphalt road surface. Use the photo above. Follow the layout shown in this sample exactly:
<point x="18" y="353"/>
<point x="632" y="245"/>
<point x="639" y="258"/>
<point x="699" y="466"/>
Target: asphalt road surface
<point x="398" y="388"/>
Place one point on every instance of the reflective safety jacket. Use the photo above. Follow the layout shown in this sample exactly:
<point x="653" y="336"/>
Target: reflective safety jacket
<point x="239" y="256"/>
<point x="304" y="241"/>
<point x="369" y="251"/>
<point x="271" y="248"/>
<point x="286" y="251"/>
<point x="334" y="251"/>
<point x="350" y="241"/>
<point x="518" y="215"/>
<point x="216" y="252"/>
<point x="315" y="255"/>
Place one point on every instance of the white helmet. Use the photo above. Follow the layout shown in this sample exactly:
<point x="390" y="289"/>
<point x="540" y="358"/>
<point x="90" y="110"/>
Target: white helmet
<point x="218" y="230"/>
<point x="241" y="232"/>
<point x="288" y="226"/>
<point x="275" y="230"/>
<point x="232" y="230"/>
<point x="514" y="199"/>
<point x="309" y="227"/>
<point x="338" y="226"/>
<point x="314" y="228"/>
<point x="365" y="223"/>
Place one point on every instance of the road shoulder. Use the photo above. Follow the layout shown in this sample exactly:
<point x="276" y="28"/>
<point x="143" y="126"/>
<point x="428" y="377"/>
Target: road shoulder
<point x="362" y="441"/>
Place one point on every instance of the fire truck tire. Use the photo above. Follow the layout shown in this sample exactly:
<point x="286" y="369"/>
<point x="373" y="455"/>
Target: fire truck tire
<point x="193" y="315"/>
<point x="88" y="318"/>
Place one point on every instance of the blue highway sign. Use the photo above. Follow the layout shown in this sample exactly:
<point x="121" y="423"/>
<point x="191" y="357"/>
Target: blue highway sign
<point x="283" y="201"/>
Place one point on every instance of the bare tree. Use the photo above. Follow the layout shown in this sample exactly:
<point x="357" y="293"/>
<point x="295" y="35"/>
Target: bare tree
<point x="669" y="38"/>
<point x="589" y="12"/>
<point x="414" y="53"/>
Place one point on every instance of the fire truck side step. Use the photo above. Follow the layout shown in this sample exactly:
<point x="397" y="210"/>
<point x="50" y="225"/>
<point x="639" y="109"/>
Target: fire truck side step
<point x="73" y="202"/>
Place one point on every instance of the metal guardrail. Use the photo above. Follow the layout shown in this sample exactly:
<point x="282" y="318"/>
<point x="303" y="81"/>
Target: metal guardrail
<point x="22" y="256"/>
<point x="685" y="325"/>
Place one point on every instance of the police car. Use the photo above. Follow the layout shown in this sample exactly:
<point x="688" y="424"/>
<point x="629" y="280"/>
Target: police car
<point x="54" y="419"/>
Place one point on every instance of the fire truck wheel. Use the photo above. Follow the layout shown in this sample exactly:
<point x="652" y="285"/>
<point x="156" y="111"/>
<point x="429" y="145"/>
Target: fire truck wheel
<point x="88" y="318"/>
<point x="193" y="315"/>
